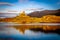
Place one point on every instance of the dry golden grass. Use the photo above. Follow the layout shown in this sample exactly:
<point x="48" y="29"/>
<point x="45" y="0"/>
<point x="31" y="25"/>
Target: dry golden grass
<point x="26" y="19"/>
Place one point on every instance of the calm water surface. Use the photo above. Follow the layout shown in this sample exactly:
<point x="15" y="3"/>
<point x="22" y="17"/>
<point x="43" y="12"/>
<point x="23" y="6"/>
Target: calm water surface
<point x="11" y="33"/>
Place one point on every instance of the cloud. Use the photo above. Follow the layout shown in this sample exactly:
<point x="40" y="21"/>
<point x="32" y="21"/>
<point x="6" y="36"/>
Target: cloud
<point x="22" y="1"/>
<point x="6" y="3"/>
<point x="12" y="11"/>
<point x="34" y="9"/>
<point x="58" y="3"/>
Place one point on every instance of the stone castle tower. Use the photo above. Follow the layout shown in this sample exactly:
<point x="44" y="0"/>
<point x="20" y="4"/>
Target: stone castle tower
<point x="22" y="14"/>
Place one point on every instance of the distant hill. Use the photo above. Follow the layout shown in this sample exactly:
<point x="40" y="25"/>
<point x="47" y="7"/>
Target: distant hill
<point x="44" y="12"/>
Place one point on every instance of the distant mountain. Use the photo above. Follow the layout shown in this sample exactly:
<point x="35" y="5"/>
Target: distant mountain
<point x="44" y="12"/>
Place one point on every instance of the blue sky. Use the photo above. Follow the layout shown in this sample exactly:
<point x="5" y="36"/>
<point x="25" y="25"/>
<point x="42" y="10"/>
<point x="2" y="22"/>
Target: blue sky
<point x="18" y="5"/>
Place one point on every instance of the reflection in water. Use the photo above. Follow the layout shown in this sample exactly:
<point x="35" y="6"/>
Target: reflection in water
<point x="8" y="30"/>
<point x="27" y="33"/>
<point x="45" y="28"/>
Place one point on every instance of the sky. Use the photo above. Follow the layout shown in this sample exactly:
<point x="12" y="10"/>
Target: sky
<point x="15" y="6"/>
